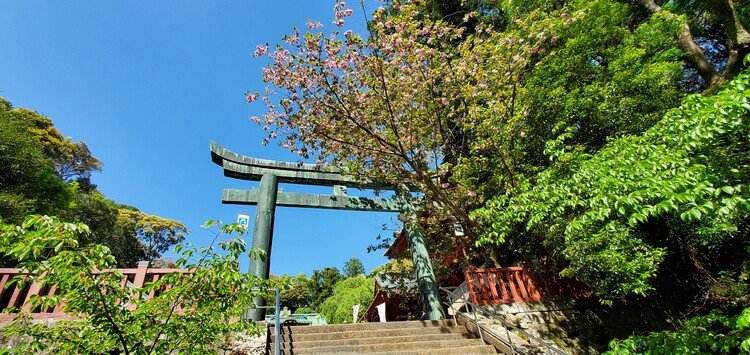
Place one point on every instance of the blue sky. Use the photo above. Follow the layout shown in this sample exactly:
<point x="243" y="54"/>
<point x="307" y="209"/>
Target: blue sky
<point x="147" y="85"/>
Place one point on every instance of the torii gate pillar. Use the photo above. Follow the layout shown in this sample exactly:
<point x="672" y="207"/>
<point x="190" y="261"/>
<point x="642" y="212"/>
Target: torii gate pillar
<point x="263" y="235"/>
<point x="426" y="283"/>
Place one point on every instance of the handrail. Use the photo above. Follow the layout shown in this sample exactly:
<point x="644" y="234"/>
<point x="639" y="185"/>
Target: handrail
<point x="362" y="317"/>
<point x="277" y="318"/>
<point x="452" y="297"/>
<point x="277" y="324"/>
<point x="474" y="311"/>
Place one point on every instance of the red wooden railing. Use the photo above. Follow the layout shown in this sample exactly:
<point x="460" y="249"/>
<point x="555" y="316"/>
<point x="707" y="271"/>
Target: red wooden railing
<point x="15" y="296"/>
<point x="516" y="284"/>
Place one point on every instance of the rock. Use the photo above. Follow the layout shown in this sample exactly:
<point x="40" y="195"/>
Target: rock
<point x="244" y="344"/>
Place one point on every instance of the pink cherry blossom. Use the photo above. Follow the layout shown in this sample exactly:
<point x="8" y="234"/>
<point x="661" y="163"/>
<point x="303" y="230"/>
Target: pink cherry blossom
<point x="314" y="24"/>
<point x="250" y="97"/>
<point x="260" y="50"/>
<point x="371" y="103"/>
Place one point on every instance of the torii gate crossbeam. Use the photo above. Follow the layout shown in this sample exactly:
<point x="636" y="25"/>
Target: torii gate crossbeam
<point x="270" y="173"/>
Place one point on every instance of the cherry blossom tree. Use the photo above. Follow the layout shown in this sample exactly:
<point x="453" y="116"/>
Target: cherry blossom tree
<point x="397" y="106"/>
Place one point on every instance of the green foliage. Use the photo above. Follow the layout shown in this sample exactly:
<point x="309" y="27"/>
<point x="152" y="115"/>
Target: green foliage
<point x="28" y="182"/>
<point x="398" y="267"/>
<point x="353" y="267"/>
<point x="44" y="172"/>
<point x="357" y="290"/>
<point x="69" y="159"/>
<point x="157" y="234"/>
<point x="603" y="77"/>
<point x="591" y="69"/>
<point x="743" y="324"/>
<point x="102" y="217"/>
<point x="691" y="166"/>
<point x="296" y="292"/>
<point x="300" y="292"/>
<point x="711" y="334"/>
<point x="304" y="310"/>
<point x="108" y="318"/>
<point x="321" y="285"/>
<point x="455" y="12"/>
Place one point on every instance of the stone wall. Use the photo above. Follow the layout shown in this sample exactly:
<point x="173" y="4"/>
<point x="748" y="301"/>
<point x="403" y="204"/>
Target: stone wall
<point x="584" y="326"/>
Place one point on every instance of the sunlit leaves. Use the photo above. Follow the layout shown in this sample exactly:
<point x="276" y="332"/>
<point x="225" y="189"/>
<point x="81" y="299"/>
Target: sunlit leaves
<point x="347" y="293"/>
<point x="186" y="312"/>
<point x="693" y="165"/>
<point x="711" y="334"/>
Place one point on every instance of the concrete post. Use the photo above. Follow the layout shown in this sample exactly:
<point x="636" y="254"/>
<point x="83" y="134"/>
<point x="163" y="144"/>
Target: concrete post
<point x="428" y="290"/>
<point x="263" y="236"/>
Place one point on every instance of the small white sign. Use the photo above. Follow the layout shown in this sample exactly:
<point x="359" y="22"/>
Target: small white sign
<point x="243" y="220"/>
<point x="381" y="312"/>
<point x="355" y="309"/>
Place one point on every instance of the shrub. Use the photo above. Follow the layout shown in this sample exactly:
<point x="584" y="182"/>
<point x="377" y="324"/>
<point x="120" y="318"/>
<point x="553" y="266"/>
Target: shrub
<point x="189" y="312"/>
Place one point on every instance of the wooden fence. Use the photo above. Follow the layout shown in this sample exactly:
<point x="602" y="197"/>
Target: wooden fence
<point x="516" y="284"/>
<point x="15" y="296"/>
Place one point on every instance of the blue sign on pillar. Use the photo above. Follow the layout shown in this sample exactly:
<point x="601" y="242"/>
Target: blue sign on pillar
<point x="243" y="220"/>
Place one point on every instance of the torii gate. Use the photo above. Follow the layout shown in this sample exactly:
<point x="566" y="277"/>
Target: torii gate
<point x="270" y="173"/>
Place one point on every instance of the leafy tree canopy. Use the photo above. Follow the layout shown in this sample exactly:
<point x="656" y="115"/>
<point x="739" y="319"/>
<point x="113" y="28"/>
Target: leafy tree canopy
<point x="711" y="334"/>
<point x="353" y="267"/>
<point x="321" y="285"/>
<point x="296" y="292"/>
<point x="394" y="267"/>
<point x="70" y="159"/>
<point x="304" y="310"/>
<point x="691" y="166"/>
<point x="347" y="293"/>
<point x="45" y="173"/>
<point x="157" y="234"/>
<point x="107" y="227"/>
<point x="28" y="182"/>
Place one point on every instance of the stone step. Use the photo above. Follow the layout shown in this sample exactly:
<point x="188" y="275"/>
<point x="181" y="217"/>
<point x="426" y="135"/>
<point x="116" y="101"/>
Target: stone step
<point x="295" y="336"/>
<point x="478" y="349"/>
<point x="296" y="345"/>
<point x="386" y="346"/>
<point x="365" y="326"/>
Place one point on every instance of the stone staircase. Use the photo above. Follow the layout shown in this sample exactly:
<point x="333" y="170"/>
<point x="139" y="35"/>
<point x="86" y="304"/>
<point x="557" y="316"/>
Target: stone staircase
<point x="410" y="337"/>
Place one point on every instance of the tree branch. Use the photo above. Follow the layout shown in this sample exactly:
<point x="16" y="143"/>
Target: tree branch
<point x="111" y="321"/>
<point x="347" y="114"/>
<point x="693" y="51"/>
<point x="180" y="294"/>
<point x="350" y="117"/>
<point x="738" y="38"/>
